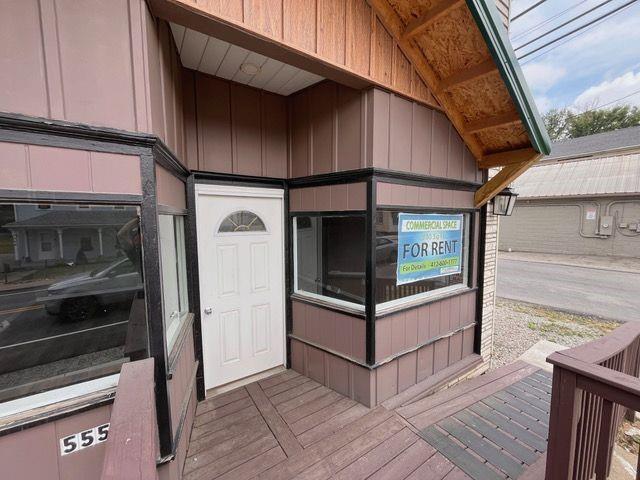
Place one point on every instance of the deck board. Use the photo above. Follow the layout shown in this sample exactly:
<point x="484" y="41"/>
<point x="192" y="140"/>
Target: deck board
<point x="290" y="427"/>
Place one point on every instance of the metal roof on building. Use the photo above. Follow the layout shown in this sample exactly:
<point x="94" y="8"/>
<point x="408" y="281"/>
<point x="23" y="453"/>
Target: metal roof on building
<point x="622" y="139"/>
<point x="606" y="175"/>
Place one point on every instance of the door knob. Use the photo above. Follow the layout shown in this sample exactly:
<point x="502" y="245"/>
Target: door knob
<point x="208" y="311"/>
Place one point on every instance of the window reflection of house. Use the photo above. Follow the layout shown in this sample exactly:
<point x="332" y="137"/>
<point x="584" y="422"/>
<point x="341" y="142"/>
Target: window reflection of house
<point x="66" y="233"/>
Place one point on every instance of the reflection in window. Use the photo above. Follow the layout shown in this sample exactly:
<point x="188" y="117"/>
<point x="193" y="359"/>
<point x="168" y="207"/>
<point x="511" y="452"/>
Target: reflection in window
<point x="69" y="280"/>
<point x="387" y="258"/>
<point x="243" y="221"/>
<point x="330" y="257"/>
<point x="174" y="275"/>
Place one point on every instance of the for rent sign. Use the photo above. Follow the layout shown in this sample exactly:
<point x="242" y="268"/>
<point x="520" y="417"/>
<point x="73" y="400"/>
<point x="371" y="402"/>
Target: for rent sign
<point x="429" y="246"/>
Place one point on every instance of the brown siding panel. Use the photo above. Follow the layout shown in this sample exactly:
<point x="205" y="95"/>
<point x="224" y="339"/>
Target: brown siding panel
<point x="400" y="122"/>
<point x="247" y="148"/>
<point x="358" y="36"/>
<point x="349" y="129"/>
<point x="322" y="100"/>
<point x="214" y="124"/>
<point x="264" y="16"/>
<point x="300" y="24"/>
<point x="274" y="122"/>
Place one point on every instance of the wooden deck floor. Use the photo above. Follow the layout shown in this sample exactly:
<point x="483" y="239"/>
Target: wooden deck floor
<point x="289" y="426"/>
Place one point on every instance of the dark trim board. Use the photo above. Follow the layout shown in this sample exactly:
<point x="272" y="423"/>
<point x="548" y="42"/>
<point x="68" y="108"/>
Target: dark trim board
<point x="214" y="178"/>
<point x="153" y="295"/>
<point x="370" y="273"/>
<point x="39" y="196"/>
<point x="194" y="282"/>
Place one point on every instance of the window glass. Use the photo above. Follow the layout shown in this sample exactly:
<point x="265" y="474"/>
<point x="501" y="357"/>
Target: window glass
<point x="330" y="257"/>
<point x="69" y="281"/>
<point x="387" y="288"/>
<point x="243" y="221"/>
<point x="174" y="275"/>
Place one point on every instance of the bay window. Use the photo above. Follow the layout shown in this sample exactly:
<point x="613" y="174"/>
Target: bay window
<point x="329" y="258"/>
<point x="174" y="275"/>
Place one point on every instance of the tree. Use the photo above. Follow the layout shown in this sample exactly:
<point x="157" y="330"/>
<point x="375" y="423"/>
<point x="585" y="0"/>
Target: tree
<point x="564" y="123"/>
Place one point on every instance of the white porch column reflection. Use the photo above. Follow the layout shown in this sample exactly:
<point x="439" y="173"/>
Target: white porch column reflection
<point x="100" y="247"/>
<point x="60" y="246"/>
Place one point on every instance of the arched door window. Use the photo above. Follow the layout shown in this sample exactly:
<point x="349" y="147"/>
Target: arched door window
<point x="242" y="221"/>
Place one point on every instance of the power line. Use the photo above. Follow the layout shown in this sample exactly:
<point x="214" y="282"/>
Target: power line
<point x="563" y="24"/>
<point x="566" y="41"/>
<point x="581" y="27"/>
<point x="527" y="10"/>
<point x="548" y="20"/>
<point x="611" y="102"/>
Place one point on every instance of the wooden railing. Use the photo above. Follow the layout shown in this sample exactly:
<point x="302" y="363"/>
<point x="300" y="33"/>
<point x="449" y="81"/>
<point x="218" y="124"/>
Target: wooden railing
<point x="593" y="386"/>
<point x="132" y="445"/>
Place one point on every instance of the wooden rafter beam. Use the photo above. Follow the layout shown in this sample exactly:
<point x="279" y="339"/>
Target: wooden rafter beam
<point x="502" y="159"/>
<point x="492" y="122"/>
<point x="395" y="27"/>
<point x="502" y="180"/>
<point x="467" y="75"/>
<point x="427" y="18"/>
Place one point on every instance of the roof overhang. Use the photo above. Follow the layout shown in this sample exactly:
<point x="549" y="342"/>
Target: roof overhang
<point x="459" y="48"/>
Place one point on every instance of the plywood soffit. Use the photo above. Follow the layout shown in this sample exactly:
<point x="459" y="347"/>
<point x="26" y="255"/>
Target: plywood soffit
<point x="444" y="41"/>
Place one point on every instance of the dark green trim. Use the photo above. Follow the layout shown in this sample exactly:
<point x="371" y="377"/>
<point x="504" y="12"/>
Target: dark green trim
<point x="486" y="15"/>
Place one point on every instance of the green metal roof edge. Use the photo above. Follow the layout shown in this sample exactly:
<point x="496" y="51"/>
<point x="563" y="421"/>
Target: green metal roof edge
<point x="490" y="24"/>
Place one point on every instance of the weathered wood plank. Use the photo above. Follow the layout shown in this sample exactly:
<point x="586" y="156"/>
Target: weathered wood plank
<point x="461" y="389"/>
<point x="322" y="416"/>
<point x="457" y="474"/>
<point x="523" y="406"/>
<point x="221" y="412"/>
<point x="540" y="404"/>
<point x="216" y="448"/>
<point x="221" y="400"/>
<point x="497" y="436"/>
<point x="458" y="455"/>
<point x="277" y="379"/>
<point x="333" y="425"/>
<point x="225" y="422"/>
<point x="303" y="399"/>
<point x="484" y="449"/>
<point x="310" y="408"/>
<point x="255" y="466"/>
<point x="363" y="444"/>
<point x="517" y="416"/>
<point x="436" y="468"/>
<point x="203" y="467"/>
<point x="280" y="429"/>
<point x="379" y="456"/>
<point x="293" y="392"/>
<point x="293" y="466"/>
<point x="404" y="464"/>
<point x="284" y="386"/>
<point x="537" y="384"/>
<point x="525" y="436"/>
<point x="536" y="392"/>
<point x="459" y="403"/>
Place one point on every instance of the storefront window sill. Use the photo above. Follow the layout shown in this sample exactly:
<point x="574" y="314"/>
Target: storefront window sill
<point x="326" y="303"/>
<point x="27" y="412"/>
<point x="388" y="309"/>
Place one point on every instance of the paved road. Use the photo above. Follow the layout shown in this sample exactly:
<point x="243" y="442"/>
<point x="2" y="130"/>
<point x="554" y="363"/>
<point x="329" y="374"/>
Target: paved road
<point x="607" y="294"/>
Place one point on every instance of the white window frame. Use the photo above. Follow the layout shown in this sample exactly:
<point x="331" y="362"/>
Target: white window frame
<point x="419" y="298"/>
<point x="343" y="304"/>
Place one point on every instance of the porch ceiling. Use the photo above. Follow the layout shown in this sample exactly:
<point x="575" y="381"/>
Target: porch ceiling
<point x="458" y="48"/>
<point x="211" y="55"/>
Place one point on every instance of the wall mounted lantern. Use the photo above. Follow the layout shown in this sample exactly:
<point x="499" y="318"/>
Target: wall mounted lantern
<point x="504" y="202"/>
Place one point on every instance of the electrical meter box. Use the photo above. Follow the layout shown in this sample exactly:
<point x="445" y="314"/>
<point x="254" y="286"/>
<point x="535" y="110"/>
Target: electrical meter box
<point x="606" y="225"/>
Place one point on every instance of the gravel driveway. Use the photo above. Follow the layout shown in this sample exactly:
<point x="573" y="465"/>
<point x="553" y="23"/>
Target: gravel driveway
<point x="518" y="326"/>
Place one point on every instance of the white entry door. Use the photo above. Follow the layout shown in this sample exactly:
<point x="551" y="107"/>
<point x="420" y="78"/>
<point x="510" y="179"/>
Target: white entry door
<point x="241" y="266"/>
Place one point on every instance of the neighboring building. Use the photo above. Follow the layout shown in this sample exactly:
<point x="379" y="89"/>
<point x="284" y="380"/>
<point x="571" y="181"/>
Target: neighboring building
<point x="219" y="186"/>
<point x="583" y="199"/>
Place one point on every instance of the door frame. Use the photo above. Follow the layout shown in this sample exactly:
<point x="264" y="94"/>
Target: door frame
<point x="218" y="189"/>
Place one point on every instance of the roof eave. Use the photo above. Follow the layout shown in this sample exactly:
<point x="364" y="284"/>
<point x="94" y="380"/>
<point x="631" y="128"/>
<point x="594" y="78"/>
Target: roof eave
<point x="487" y="19"/>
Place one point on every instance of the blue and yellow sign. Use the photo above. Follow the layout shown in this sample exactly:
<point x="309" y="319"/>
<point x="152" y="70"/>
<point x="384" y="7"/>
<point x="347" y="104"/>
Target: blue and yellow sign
<point x="429" y="246"/>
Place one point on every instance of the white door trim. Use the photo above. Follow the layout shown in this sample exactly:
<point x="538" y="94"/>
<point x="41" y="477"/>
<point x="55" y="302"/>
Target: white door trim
<point x="208" y="190"/>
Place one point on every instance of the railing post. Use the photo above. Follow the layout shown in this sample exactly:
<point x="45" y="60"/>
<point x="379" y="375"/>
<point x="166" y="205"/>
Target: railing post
<point x="604" y="441"/>
<point x="566" y="400"/>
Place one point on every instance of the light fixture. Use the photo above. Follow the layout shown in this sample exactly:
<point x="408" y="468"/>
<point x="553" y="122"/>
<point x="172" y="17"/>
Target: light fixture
<point x="249" y="68"/>
<point x="504" y="202"/>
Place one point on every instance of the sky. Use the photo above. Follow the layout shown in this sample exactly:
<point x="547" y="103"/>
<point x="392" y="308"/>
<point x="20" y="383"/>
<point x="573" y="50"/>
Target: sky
<point x="591" y="69"/>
